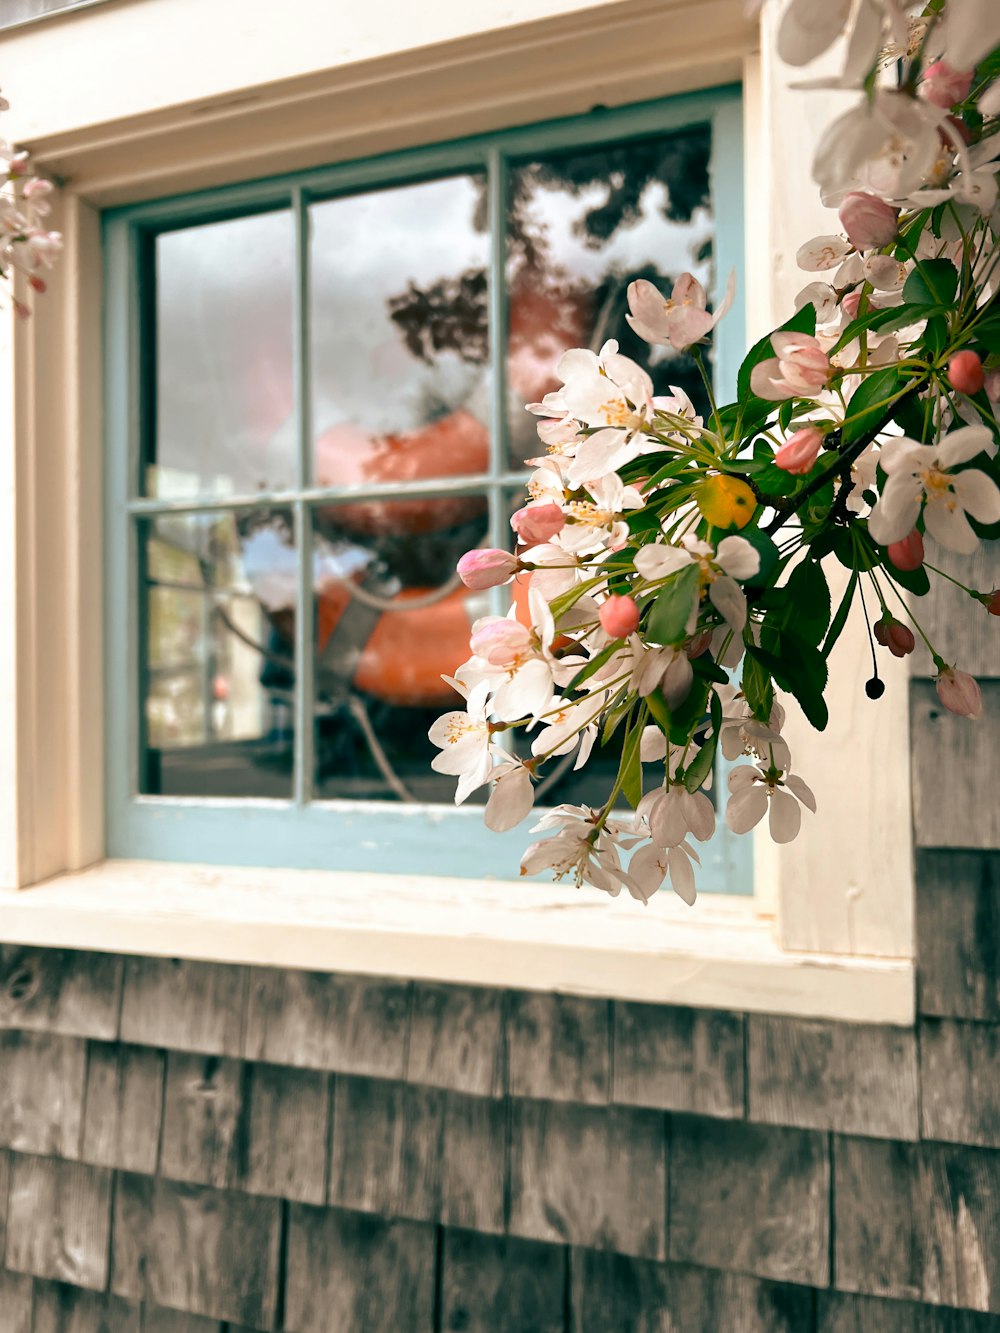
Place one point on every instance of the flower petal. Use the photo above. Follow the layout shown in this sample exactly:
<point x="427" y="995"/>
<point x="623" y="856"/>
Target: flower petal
<point x="510" y="801"/>
<point x="746" y="807"/>
<point x="947" y="524"/>
<point x="785" y="817"/>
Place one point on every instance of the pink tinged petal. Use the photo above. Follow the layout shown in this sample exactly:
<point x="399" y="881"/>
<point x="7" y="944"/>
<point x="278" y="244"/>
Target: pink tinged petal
<point x="577" y="361"/>
<point x="700" y="815"/>
<point x="946" y="522"/>
<point x="960" y="693"/>
<point x="526" y="694"/>
<point x="646" y="872"/>
<point x="652" y="745"/>
<point x="728" y="599"/>
<point x="510" y="801"/>
<point x="682" y="875"/>
<point x="728" y="297"/>
<point x="738" y="558"/>
<point x="798" y="788"/>
<point x="962" y="445"/>
<point x="897" y="510"/>
<point x="978" y="495"/>
<point x="688" y="325"/>
<point x="785" y="818"/>
<point x="865" y="40"/>
<point x="821" y="253"/>
<point x="766" y="381"/>
<point x="667" y="823"/>
<point x="746" y="808"/>
<point x="689" y="292"/>
<point x="741" y="778"/>
<point x="677" y="679"/>
<point x="473" y="778"/>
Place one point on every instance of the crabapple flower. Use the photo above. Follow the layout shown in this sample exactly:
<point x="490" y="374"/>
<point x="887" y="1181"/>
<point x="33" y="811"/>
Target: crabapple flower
<point x="922" y="472"/>
<point x="679" y="320"/>
<point x="512" y="797"/>
<point x="868" y="221"/>
<point x="908" y="553"/>
<point x="538" y="523"/>
<point x="800" y="451"/>
<point x="578" y="849"/>
<point x="672" y="813"/>
<point x="500" y="640"/>
<point x="651" y="867"/>
<point x="742" y="735"/>
<point x="734" y="559"/>
<point x="800" y="368"/>
<point x="896" y="637"/>
<point x="756" y="791"/>
<point x="464" y="741"/>
<point x="889" y="145"/>
<point x="821" y="253"/>
<point x="944" y="86"/>
<point x="598" y="522"/>
<point x="487" y="568"/>
<point x="959" y="692"/>
<point x="619" y="617"/>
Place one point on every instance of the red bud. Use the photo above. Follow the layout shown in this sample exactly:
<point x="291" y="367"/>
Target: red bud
<point x="965" y="372"/>
<point x="908" y="553"/>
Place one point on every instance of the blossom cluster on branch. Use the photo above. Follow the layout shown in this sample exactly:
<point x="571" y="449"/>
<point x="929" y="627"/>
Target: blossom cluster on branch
<point x="675" y="562"/>
<point x="27" y="245"/>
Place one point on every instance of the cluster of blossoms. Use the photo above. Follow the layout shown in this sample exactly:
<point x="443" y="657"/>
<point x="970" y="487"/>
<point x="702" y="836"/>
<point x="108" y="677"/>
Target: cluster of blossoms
<point x="27" y="246"/>
<point x="673" y="563"/>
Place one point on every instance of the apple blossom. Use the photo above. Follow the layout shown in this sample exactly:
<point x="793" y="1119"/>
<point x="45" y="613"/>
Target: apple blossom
<point x="512" y="797"/>
<point x="487" y="568"/>
<point x="822" y="252"/>
<point x="651" y="867"/>
<point x="800" y="451"/>
<point x="678" y="320"/>
<point x="869" y="222"/>
<point x="672" y="813"/>
<point x="959" y="692"/>
<point x="800" y="369"/>
<point x="538" y="523"/>
<point x="945" y="86"/>
<point x="756" y="791"/>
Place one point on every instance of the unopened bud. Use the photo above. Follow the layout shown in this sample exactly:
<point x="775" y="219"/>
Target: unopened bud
<point x="875" y="687"/>
<point x="535" y="524"/>
<point x="965" y="372"/>
<point x="908" y="553"/>
<point x="959" y="693"/>
<point x="898" y="638"/>
<point x="991" y="600"/>
<point x="487" y="569"/>
<point x="619" y="617"/>
<point x="868" y="221"/>
<point x="800" y="451"/>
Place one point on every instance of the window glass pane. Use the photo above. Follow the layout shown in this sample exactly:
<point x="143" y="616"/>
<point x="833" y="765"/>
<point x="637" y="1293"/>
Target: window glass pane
<point x="224" y="420"/>
<point x="581" y="227"/>
<point x="218" y="654"/>
<point x="399" y="336"/>
<point x="392" y="617"/>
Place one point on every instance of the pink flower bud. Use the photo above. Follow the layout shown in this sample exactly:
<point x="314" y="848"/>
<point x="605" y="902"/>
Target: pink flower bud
<point x="991" y="600"/>
<point x="619" y="617"/>
<point x="799" y="369"/>
<point x="896" y="637"/>
<point x="965" y="372"/>
<point x="698" y="644"/>
<point x="37" y="284"/>
<point x="850" y="304"/>
<point x="959" y="693"/>
<point x="870" y="223"/>
<point x="500" y="642"/>
<point x="486" y="569"/>
<point x="908" y="553"/>
<point x="944" y="86"/>
<point x="800" y="451"/>
<point x="535" y="524"/>
<point x="21" y="310"/>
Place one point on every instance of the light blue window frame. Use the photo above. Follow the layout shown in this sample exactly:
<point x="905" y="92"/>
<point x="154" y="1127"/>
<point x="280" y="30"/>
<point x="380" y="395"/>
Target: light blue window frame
<point x="340" y="834"/>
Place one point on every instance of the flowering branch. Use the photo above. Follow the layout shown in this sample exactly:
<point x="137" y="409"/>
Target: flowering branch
<point x="26" y="244"/>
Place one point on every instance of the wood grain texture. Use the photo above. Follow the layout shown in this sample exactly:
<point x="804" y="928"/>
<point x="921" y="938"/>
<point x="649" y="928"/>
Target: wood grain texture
<point x="853" y="1077"/>
<point x="184" y="1005"/>
<point x="678" y="1059"/>
<point x="960" y="1081"/>
<point x="964" y="632"/>
<point x="187" y="1248"/>
<point x="750" y="1198"/>
<point x="42" y="1082"/>
<point x="417" y="1152"/>
<point x="918" y="1222"/>
<point x="58" y="1221"/>
<point x="16" y="1290"/>
<point x="287" y="1114"/>
<point x="611" y="1292"/>
<point x="958" y="934"/>
<point x="123" y="1106"/>
<point x="954" y="762"/>
<point x="158" y="1320"/>
<point x="203" y="1138"/>
<point x="4" y="1198"/>
<point x="491" y="1284"/>
<point x="350" y="1271"/>
<point x="60" y="990"/>
<point x="456" y="1039"/>
<point x="589" y="1176"/>
<point x="315" y="1020"/>
<point x="59" y="1308"/>
<point x="837" y="1313"/>
<point x="558" y="1047"/>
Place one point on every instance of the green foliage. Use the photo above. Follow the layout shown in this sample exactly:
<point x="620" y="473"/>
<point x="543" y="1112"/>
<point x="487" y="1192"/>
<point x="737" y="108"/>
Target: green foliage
<point x="798" y="667"/>
<point x="870" y="406"/>
<point x="933" y="282"/>
<point x="671" y="611"/>
<point x="701" y="766"/>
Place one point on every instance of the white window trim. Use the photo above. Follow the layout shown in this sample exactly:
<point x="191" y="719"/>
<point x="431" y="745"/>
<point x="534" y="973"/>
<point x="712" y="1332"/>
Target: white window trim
<point x="841" y="938"/>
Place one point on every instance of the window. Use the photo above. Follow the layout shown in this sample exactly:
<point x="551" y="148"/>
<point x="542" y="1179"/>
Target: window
<point x="315" y="404"/>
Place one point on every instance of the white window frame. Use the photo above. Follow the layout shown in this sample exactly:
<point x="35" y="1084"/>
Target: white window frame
<point x="830" y="929"/>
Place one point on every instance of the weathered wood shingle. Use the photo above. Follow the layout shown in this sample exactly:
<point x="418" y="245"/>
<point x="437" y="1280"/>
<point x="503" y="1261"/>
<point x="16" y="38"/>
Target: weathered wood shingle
<point x="964" y="632"/>
<point x="456" y="1039"/>
<point x="918" y="1222"/>
<point x="203" y="1129"/>
<point x="678" y="1059"/>
<point x="612" y="1293"/>
<point x="157" y="1320"/>
<point x="858" y="1078"/>
<point x="953" y="764"/>
<point x="123" y="1106"/>
<point x="589" y="1176"/>
<point x="351" y="1271"/>
<point x="837" y="1313"/>
<point x="491" y="1284"/>
<point x="752" y="1198"/>
<point x="287" y="1127"/>
<point x="58" y="1221"/>
<point x="558" y="1047"/>
<point x="184" y="1005"/>
<point x="16" y="1290"/>
<point x="204" y="1251"/>
<point x="59" y="1308"/>
<point x="68" y="991"/>
<point x="42" y="1081"/>
<point x="960" y="1077"/>
<point x="958" y="934"/>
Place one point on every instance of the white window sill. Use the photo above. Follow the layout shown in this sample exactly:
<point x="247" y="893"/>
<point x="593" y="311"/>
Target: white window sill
<point x="482" y="933"/>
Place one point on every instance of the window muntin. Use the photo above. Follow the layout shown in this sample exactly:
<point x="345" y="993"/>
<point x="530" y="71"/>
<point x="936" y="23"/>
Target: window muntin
<point x="318" y="807"/>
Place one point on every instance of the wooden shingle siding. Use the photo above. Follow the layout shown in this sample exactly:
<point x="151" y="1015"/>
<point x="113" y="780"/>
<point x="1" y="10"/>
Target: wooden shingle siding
<point x="953" y="765"/>
<point x="837" y="1313"/>
<point x="287" y="1130"/>
<point x="184" y="1005"/>
<point x="559" y="1047"/>
<point x="16" y="1292"/>
<point x="157" y="1320"/>
<point x="58" y="1221"/>
<point x="678" y="1059"/>
<point x="204" y="1251"/>
<point x="352" y="1271"/>
<point x="918" y="1222"/>
<point x="315" y="1020"/>
<point x="123" y="1104"/>
<point x="854" y="1078"/>
<point x="203" y="1131"/>
<point x="750" y="1198"/>
<point x="958" y="934"/>
<point x="960" y="1075"/>
<point x="60" y="990"/>
<point x="965" y="633"/>
<point x="42" y="1079"/>
<point x="612" y="1292"/>
<point x="589" y="1176"/>
<point x="457" y="1039"/>
<point x="59" y="1308"/>
<point x="495" y="1285"/>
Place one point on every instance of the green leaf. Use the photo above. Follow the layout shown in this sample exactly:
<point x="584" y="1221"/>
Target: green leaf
<point x="671" y="611"/>
<point x="807" y="609"/>
<point x="707" y="667"/>
<point x="843" y="610"/>
<point x="757" y="689"/>
<point x="799" y="668"/>
<point x="659" y="711"/>
<point x="988" y="333"/>
<point x="685" y="718"/>
<point x="803" y="321"/>
<point x="932" y="282"/>
<point x="630" y="767"/>
<point x="935" y="337"/>
<point x="913" y="580"/>
<point x="764" y="545"/>
<point x="595" y="664"/>
<point x="700" y="767"/>
<point x="870" y="404"/>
